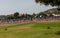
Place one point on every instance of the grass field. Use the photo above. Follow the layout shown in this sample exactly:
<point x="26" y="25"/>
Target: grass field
<point x="30" y="30"/>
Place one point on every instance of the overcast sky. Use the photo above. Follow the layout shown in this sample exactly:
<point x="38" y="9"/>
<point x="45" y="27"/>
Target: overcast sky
<point x="21" y="6"/>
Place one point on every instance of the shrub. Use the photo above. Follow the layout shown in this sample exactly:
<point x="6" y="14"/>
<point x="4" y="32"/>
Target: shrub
<point x="48" y="27"/>
<point x="57" y="33"/>
<point x="5" y="29"/>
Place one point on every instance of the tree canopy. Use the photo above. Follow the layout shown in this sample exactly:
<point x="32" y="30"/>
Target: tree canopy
<point x="49" y="2"/>
<point x="16" y="14"/>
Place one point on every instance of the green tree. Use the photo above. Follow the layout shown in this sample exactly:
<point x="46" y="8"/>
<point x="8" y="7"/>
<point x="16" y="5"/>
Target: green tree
<point x="16" y="15"/>
<point x="29" y="16"/>
<point x="51" y="15"/>
<point x="49" y="2"/>
<point x="33" y="15"/>
<point x="42" y="14"/>
<point x="9" y="17"/>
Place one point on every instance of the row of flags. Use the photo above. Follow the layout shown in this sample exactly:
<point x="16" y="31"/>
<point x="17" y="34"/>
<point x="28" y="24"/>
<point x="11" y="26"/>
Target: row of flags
<point x="29" y="20"/>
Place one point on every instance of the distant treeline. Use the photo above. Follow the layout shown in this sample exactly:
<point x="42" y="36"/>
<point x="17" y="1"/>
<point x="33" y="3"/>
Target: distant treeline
<point x="29" y="16"/>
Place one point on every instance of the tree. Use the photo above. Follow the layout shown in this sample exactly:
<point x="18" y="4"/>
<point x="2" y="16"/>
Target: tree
<point x="16" y="15"/>
<point x="33" y="15"/>
<point x="29" y="16"/>
<point x="10" y="17"/>
<point x="51" y="15"/>
<point x="41" y="14"/>
<point x="49" y="2"/>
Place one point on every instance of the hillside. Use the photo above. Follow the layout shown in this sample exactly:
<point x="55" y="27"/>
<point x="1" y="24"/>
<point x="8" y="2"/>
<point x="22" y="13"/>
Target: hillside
<point x="54" y="10"/>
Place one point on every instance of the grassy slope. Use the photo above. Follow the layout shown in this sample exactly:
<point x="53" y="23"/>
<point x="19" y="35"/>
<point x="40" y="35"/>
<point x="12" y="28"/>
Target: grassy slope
<point x="37" y="30"/>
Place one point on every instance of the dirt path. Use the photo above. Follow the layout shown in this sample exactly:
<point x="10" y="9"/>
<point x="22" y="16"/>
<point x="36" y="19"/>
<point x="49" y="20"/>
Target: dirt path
<point x="21" y="27"/>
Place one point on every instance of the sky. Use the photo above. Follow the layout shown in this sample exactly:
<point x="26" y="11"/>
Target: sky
<point x="22" y="6"/>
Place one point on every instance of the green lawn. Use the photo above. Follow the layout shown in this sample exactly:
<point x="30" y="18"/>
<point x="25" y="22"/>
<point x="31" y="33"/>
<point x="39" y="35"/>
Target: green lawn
<point x="30" y="30"/>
